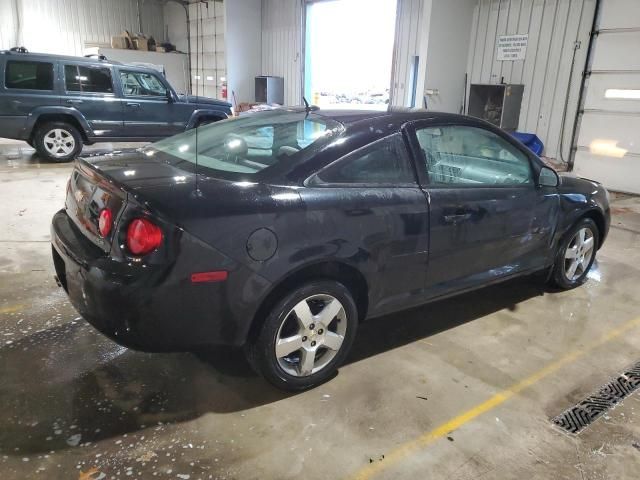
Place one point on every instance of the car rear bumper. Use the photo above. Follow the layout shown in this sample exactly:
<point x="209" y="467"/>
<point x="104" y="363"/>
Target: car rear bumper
<point x="151" y="309"/>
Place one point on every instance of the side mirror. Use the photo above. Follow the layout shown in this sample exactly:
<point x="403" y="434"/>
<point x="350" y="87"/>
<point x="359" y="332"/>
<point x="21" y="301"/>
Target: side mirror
<point x="548" y="178"/>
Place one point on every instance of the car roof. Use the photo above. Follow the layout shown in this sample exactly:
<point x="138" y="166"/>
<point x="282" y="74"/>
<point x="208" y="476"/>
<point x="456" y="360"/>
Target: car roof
<point x="383" y="118"/>
<point x="69" y="58"/>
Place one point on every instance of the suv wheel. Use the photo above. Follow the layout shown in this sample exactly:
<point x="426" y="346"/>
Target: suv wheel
<point x="576" y="255"/>
<point x="58" y="141"/>
<point x="305" y="337"/>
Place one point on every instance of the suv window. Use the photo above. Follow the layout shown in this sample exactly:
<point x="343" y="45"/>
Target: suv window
<point x="142" y="84"/>
<point x="467" y="156"/>
<point x="384" y="162"/>
<point x="87" y="79"/>
<point x="29" y="75"/>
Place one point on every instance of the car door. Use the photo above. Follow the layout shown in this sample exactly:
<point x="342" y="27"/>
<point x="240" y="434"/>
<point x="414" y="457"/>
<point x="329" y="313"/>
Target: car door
<point x="488" y="219"/>
<point x="368" y="209"/>
<point x="148" y="105"/>
<point x="90" y="90"/>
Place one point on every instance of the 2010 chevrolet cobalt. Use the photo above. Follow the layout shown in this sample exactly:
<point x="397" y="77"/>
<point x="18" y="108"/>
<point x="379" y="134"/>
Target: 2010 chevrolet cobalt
<point x="283" y="230"/>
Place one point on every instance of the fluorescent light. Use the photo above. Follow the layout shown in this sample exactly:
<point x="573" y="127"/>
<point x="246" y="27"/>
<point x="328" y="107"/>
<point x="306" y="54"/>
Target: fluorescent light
<point x="209" y="78"/>
<point x="197" y="77"/>
<point x="607" y="148"/>
<point x="627" y="94"/>
<point x="183" y="148"/>
<point x="129" y="173"/>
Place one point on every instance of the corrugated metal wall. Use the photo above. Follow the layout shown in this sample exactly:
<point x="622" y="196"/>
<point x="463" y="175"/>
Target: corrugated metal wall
<point x="67" y="26"/>
<point x="554" y="27"/>
<point x="282" y="46"/>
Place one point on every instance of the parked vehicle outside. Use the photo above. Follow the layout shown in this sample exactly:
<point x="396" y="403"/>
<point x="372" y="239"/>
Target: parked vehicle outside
<point x="58" y="104"/>
<point x="282" y="230"/>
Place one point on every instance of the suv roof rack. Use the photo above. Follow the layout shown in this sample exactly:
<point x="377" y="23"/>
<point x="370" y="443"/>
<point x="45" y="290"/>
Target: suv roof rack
<point x="99" y="56"/>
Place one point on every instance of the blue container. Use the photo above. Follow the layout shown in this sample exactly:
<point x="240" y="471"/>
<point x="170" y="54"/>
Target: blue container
<point x="531" y="141"/>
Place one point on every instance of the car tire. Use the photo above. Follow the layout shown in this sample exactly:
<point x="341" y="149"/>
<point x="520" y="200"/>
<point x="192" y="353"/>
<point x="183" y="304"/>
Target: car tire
<point x="575" y="255"/>
<point x="323" y="333"/>
<point x="57" y="141"/>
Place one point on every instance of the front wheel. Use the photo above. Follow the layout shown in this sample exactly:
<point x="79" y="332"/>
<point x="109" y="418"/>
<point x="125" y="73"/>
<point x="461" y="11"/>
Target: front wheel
<point x="305" y="337"/>
<point x="576" y="255"/>
<point x="58" y="141"/>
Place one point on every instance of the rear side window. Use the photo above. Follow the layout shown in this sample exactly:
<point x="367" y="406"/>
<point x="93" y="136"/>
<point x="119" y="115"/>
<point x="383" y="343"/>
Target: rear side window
<point x="29" y="75"/>
<point x="384" y="162"/>
<point x="87" y="79"/>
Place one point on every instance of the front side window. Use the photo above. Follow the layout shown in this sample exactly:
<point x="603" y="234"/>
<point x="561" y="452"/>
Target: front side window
<point x="87" y="79"/>
<point x="384" y="162"/>
<point x="135" y="84"/>
<point x="467" y="156"/>
<point x="29" y="75"/>
<point x="239" y="148"/>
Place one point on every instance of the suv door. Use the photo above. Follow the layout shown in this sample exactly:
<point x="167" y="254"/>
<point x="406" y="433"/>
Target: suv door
<point x="149" y="105"/>
<point x="370" y="201"/>
<point x="90" y="90"/>
<point x="488" y="219"/>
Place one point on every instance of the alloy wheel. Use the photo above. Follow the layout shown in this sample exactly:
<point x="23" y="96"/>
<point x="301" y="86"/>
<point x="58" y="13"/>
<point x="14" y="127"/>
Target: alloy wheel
<point x="577" y="257"/>
<point x="59" y="142"/>
<point x="311" y="335"/>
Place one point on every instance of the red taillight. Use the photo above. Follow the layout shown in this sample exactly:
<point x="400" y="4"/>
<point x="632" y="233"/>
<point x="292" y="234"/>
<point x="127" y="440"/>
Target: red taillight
<point x="105" y="221"/>
<point x="143" y="236"/>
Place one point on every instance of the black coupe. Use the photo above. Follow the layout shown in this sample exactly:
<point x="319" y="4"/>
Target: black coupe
<point x="283" y="230"/>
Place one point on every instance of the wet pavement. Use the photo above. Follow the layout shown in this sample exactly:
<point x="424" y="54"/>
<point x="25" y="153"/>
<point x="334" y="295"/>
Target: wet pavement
<point x="75" y="405"/>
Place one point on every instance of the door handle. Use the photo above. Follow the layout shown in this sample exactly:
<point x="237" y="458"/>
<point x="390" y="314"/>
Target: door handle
<point x="133" y="105"/>
<point x="74" y="102"/>
<point x="457" y="218"/>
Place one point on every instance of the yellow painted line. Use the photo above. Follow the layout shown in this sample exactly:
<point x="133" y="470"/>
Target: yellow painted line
<point x="11" y="309"/>
<point x="412" y="446"/>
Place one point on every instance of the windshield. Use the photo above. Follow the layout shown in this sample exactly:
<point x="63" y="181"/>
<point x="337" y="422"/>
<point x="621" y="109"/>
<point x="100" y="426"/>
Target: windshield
<point x="244" y="146"/>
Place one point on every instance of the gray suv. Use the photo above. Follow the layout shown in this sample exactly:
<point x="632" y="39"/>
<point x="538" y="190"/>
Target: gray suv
<point x="57" y="103"/>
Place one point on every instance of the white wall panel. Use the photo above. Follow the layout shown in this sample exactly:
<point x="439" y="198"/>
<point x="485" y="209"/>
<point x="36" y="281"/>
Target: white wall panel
<point x="282" y="53"/>
<point x="208" y="65"/>
<point x="407" y="47"/>
<point x="8" y="24"/>
<point x="67" y="26"/>
<point x="243" y="20"/>
<point x="598" y="84"/>
<point x="554" y="27"/>
<point x="620" y="14"/>
<point x="617" y="50"/>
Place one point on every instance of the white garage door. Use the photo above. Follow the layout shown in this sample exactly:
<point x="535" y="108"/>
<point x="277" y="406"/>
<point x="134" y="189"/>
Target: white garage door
<point x="608" y="146"/>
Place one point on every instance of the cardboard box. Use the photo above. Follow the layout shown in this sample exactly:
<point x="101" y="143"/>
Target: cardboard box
<point x="120" y="41"/>
<point x="141" y="43"/>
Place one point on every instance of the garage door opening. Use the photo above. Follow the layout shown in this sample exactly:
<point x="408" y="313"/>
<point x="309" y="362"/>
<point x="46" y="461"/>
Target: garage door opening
<point x="348" y="53"/>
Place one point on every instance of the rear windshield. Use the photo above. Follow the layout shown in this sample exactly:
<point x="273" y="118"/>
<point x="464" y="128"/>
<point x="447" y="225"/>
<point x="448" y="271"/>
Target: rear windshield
<point x="246" y="146"/>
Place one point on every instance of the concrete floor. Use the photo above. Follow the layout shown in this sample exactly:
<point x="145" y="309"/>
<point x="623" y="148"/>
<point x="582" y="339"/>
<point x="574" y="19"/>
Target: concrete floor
<point x="458" y="389"/>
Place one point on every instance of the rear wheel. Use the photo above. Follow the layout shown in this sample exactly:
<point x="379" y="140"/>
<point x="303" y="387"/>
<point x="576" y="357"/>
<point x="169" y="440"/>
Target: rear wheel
<point x="306" y="336"/>
<point x="576" y="255"/>
<point x="58" y="141"/>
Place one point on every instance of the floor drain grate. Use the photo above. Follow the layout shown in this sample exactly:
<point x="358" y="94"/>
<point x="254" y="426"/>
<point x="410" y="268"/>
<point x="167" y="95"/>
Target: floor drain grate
<point x="576" y="418"/>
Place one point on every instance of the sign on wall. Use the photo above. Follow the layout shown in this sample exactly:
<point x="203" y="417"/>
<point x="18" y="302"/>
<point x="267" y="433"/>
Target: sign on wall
<point x="512" y="47"/>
